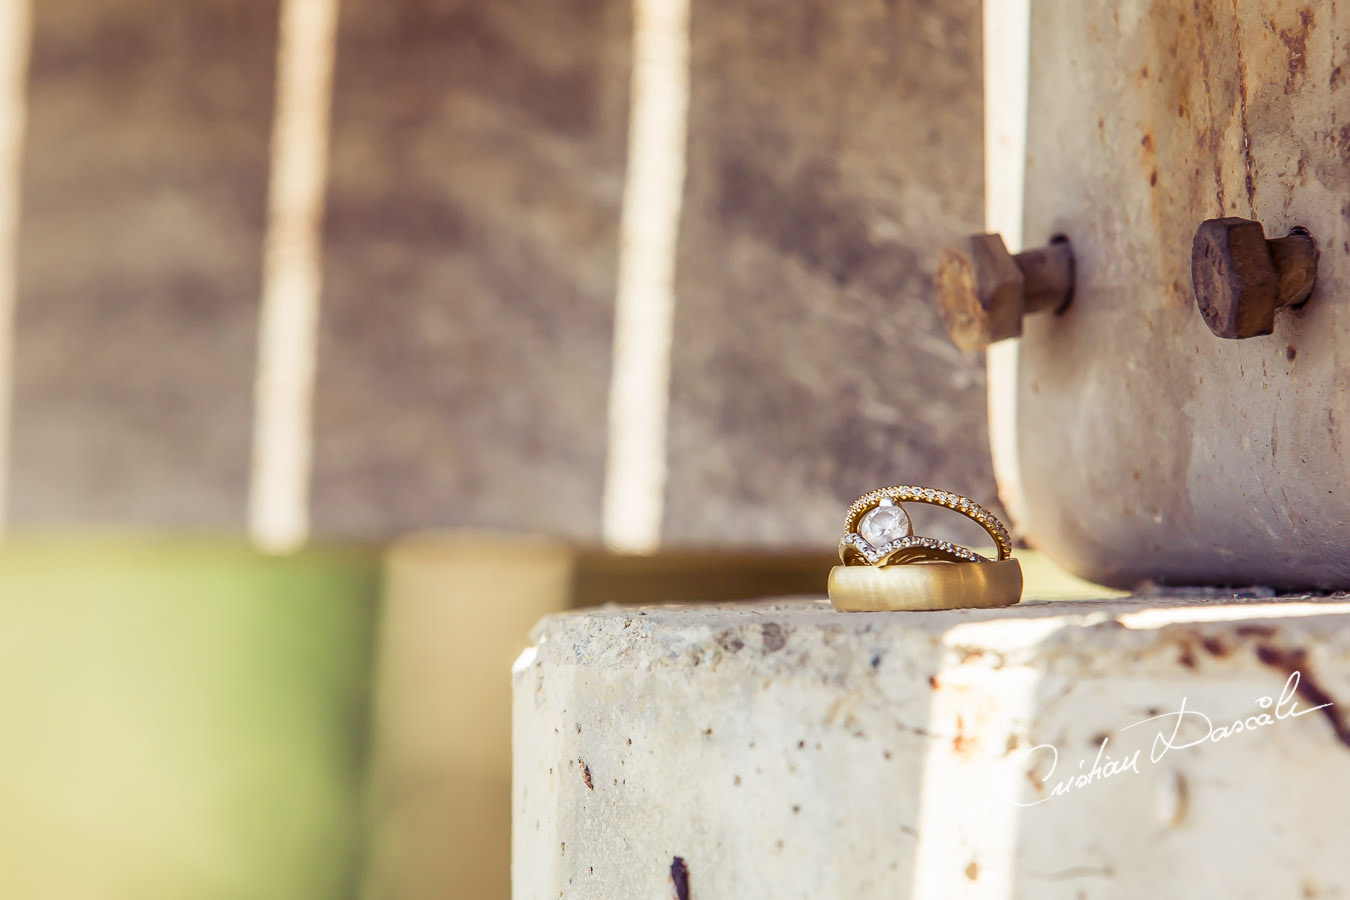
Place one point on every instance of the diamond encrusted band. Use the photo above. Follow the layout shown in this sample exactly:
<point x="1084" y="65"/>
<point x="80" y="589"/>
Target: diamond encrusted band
<point x="855" y="549"/>
<point x="853" y="546"/>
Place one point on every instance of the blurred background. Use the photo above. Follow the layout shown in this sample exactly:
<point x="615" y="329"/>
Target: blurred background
<point x="340" y="341"/>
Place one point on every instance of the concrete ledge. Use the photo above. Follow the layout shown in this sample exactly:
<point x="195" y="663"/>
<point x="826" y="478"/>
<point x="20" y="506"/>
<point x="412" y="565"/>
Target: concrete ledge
<point x="785" y="750"/>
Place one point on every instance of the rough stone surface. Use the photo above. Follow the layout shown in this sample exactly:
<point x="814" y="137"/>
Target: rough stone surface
<point x="471" y="251"/>
<point x="140" y="245"/>
<point x="834" y="148"/>
<point x="1202" y="460"/>
<point x="785" y="750"/>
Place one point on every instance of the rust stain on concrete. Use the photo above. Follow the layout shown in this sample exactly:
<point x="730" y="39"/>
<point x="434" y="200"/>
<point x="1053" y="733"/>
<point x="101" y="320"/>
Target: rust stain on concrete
<point x="1296" y="42"/>
<point x="1247" y="158"/>
<point x="1295" y="659"/>
<point x="679" y="878"/>
<point x="963" y="742"/>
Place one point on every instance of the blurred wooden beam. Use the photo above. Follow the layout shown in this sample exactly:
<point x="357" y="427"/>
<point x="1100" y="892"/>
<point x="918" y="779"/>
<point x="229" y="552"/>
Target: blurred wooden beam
<point x="469" y="274"/>
<point x="833" y="148"/>
<point x="144" y="197"/>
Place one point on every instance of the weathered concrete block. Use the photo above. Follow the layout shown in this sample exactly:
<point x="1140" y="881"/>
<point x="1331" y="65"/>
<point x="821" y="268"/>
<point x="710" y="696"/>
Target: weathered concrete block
<point x="1209" y="461"/>
<point x="785" y="750"/>
<point x="439" y="798"/>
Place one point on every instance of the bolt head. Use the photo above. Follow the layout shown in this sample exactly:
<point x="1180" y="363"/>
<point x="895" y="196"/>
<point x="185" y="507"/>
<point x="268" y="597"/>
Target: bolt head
<point x="981" y="292"/>
<point x="1236" y="285"/>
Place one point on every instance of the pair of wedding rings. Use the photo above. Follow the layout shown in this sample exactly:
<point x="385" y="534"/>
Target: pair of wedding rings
<point x="888" y="567"/>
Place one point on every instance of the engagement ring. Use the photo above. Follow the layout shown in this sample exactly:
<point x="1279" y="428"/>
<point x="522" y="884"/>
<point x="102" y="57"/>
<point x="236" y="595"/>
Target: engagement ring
<point x="888" y="567"/>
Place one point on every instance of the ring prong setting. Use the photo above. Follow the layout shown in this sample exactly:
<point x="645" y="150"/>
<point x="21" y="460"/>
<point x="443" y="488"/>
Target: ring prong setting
<point x="886" y="522"/>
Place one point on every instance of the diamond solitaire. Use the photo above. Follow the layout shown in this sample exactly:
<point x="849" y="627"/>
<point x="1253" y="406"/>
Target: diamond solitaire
<point x="885" y="523"/>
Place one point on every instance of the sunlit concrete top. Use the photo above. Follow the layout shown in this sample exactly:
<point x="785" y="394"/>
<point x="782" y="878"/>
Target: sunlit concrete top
<point x="1162" y="746"/>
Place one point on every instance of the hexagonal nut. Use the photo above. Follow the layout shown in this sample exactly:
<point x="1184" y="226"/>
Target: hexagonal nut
<point x="981" y="292"/>
<point x="1236" y="285"/>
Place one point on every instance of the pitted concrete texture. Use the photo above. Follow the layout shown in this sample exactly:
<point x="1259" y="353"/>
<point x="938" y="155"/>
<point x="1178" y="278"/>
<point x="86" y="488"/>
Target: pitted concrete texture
<point x="1160" y="747"/>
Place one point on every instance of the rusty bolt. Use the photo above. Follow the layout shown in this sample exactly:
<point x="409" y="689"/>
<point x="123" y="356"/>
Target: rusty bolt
<point x="1241" y="278"/>
<point x="984" y="291"/>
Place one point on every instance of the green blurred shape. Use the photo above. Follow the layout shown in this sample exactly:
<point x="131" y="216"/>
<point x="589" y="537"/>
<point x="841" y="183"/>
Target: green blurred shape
<point x="181" y="720"/>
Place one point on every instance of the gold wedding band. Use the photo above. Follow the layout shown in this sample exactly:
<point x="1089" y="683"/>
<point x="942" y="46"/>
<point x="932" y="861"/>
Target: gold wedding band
<point x="926" y="586"/>
<point x="888" y="567"/>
